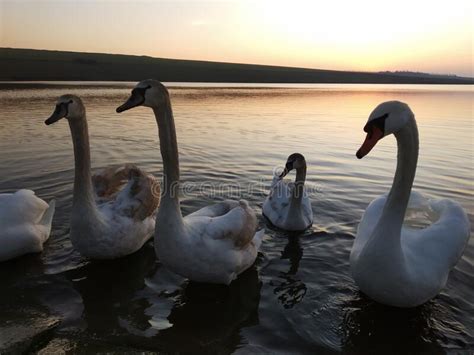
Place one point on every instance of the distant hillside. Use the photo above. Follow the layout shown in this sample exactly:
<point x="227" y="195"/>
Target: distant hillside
<point x="42" y="65"/>
<point x="420" y="74"/>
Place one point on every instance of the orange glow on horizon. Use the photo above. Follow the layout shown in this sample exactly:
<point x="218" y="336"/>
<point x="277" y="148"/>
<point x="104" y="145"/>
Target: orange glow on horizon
<point x="435" y="37"/>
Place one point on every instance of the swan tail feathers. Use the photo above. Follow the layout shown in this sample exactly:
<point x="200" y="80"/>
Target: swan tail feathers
<point x="47" y="219"/>
<point x="258" y="238"/>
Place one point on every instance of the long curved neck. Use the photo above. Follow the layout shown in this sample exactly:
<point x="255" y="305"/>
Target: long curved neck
<point x="298" y="191"/>
<point x="169" y="153"/>
<point x="397" y="201"/>
<point x="83" y="193"/>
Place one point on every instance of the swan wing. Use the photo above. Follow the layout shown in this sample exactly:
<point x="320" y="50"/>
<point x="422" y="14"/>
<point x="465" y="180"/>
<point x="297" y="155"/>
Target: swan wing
<point x="140" y="197"/>
<point x="237" y="223"/>
<point x="369" y="220"/>
<point x="374" y="211"/>
<point x="279" y="210"/>
<point x="372" y="215"/>
<point x="25" y="223"/>
<point x="46" y="221"/>
<point x="126" y="218"/>
<point x="277" y="203"/>
<point x="20" y="207"/>
<point x="110" y="180"/>
<point x="307" y="210"/>
<point x="215" y="210"/>
<point x="442" y="243"/>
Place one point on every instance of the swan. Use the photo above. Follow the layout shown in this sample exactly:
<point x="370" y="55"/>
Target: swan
<point x="287" y="206"/>
<point x="113" y="213"/>
<point x="392" y="263"/>
<point x="213" y="244"/>
<point x="25" y="223"/>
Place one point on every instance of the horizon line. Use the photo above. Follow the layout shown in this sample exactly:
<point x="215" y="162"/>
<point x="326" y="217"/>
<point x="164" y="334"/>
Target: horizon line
<point x="396" y="72"/>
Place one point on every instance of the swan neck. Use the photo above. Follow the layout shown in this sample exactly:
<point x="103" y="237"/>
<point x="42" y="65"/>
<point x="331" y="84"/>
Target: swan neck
<point x="169" y="154"/>
<point x="83" y="192"/>
<point x="397" y="200"/>
<point x="299" y="185"/>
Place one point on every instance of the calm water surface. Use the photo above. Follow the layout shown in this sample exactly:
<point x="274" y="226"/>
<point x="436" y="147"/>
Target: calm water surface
<point x="299" y="297"/>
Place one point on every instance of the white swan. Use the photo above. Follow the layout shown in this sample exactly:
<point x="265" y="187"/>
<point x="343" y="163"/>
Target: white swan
<point x="287" y="206"/>
<point x="395" y="264"/>
<point x="214" y="244"/>
<point x="117" y="218"/>
<point x="25" y="223"/>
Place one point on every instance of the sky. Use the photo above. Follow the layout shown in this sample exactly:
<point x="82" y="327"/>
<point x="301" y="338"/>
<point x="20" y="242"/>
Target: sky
<point x="363" y="35"/>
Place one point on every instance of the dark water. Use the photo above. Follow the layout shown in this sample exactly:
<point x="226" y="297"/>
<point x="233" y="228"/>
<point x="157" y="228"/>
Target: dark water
<point x="299" y="297"/>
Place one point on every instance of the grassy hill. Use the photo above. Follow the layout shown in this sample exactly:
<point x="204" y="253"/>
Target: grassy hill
<point x="43" y="65"/>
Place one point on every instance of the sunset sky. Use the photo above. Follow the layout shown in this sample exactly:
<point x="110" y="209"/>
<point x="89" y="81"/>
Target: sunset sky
<point x="428" y="36"/>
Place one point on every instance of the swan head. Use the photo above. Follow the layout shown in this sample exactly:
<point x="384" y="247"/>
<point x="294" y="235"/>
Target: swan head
<point x="294" y="161"/>
<point x="387" y="118"/>
<point x="148" y="93"/>
<point x="69" y="106"/>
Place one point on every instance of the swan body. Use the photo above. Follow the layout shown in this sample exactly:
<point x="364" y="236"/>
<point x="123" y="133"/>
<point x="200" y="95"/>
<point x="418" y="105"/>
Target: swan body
<point x="113" y="212"/>
<point x="214" y="244"/>
<point x="25" y="223"/>
<point x="391" y="262"/>
<point x="287" y="205"/>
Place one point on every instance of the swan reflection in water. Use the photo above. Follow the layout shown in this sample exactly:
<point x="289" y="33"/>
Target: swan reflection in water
<point x="208" y="316"/>
<point x="385" y="329"/>
<point x="106" y="288"/>
<point x="291" y="290"/>
<point x="134" y="303"/>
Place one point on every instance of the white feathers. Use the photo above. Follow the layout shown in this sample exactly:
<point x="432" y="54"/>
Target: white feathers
<point x="117" y="225"/>
<point x="214" y="244"/>
<point x="282" y="213"/>
<point x="287" y="205"/>
<point x="25" y="223"/>
<point x="397" y="264"/>
<point x="426" y="255"/>
<point x="116" y="216"/>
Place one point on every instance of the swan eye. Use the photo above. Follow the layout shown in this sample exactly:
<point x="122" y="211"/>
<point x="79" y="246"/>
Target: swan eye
<point x="61" y="106"/>
<point x="141" y="91"/>
<point x="378" y="122"/>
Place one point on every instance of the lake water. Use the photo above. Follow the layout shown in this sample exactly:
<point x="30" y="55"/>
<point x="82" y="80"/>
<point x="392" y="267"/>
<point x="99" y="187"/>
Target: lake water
<point x="299" y="296"/>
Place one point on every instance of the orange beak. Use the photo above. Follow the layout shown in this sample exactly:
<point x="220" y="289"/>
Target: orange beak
<point x="373" y="136"/>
